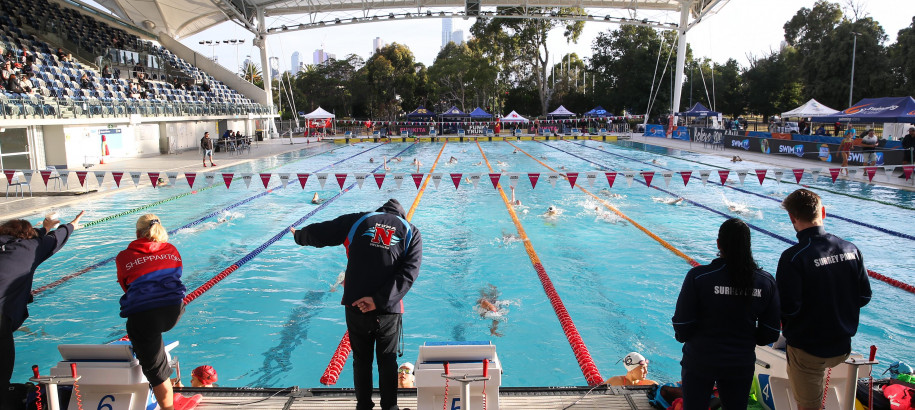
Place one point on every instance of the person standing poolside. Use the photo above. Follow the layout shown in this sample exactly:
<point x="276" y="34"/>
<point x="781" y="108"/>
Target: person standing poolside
<point x="908" y="144"/>
<point x="724" y="310"/>
<point x="22" y="249"/>
<point x="636" y="372"/>
<point x="149" y="272"/>
<point x="869" y="147"/>
<point x="822" y="285"/>
<point x="845" y="150"/>
<point x="206" y="143"/>
<point x="384" y="254"/>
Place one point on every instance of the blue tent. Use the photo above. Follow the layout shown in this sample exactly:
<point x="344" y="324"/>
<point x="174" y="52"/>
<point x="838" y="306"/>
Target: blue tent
<point x="420" y="113"/>
<point x="478" y="113"/>
<point x="698" y="110"/>
<point x="886" y="109"/>
<point x="454" y="112"/>
<point x="597" y="112"/>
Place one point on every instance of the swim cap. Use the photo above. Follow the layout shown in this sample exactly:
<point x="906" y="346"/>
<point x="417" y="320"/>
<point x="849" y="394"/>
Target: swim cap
<point x="551" y="208"/>
<point x="407" y="365"/>
<point x="634" y="360"/>
<point x="206" y="374"/>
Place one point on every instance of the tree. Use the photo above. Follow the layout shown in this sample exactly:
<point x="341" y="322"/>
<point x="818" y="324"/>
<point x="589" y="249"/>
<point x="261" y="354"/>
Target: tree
<point x="251" y="72"/>
<point x="901" y="58"/>
<point x="395" y="81"/>
<point x="452" y="75"/>
<point x="772" y="85"/>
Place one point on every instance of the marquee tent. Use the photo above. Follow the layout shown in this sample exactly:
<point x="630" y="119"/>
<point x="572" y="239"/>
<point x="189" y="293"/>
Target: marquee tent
<point x="811" y="108"/>
<point x="698" y="110"/>
<point x="320" y="113"/>
<point x="514" y="117"/>
<point x="478" y="113"/>
<point x="561" y="112"/>
<point x="319" y="118"/>
<point x="454" y="112"/>
<point x="597" y="112"/>
<point x="886" y="109"/>
<point x="420" y="113"/>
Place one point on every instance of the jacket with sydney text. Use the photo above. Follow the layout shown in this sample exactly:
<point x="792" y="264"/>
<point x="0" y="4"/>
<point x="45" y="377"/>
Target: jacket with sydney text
<point x="150" y="275"/>
<point x="384" y="253"/>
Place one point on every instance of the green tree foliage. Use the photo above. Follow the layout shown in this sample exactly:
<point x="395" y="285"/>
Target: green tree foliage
<point x="724" y="93"/>
<point x="334" y="85"/>
<point x="461" y="76"/>
<point x="772" y="85"/>
<point x="568" y="81"/>
<point x="902" y="61"/>
<point x="251" y="72"/>
<point x="395" y="81"/>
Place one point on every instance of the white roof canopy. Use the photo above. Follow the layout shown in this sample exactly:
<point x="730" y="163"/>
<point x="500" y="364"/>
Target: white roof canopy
<point x="811" y="108"/>
<point x="514" y="117"/>
<point x="319" y="113"/>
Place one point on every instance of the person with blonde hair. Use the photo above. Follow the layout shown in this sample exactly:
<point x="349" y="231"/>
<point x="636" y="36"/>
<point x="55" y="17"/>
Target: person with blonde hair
<point x="149" y="272"/>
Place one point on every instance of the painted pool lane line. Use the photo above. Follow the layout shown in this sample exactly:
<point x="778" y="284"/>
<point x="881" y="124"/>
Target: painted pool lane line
<point x="833" y="215"/>
<point x="103" y="262"/>
<point x="803" y="185"/>
<point x="615" y="210"/>
<point x="588" y="368"/>
<point x="338" y="359"/>
<point x="192" y="191"/>
<point x="876" y="275"/>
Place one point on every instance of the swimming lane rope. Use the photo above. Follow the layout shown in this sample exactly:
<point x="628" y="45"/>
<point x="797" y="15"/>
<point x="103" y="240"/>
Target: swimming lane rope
<point x="338" y="360"/>
<point x="588" y="368"/>
<point x="836" y="216"/>
<point x="871" y="273"/>
<point x="103" y="262"/>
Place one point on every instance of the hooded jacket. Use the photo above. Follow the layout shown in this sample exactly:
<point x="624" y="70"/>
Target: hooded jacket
<point x="150" y="275"/>
<point x="384" y="253"/>
<point x="18" y="260"/>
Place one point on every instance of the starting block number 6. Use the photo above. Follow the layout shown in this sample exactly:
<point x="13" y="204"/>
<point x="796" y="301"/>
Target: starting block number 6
<point x="105" y="406"/>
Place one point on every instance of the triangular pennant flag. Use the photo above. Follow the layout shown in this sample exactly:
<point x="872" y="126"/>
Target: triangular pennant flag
<point x="475" y="178"/>
<point x="495" y="179"/>
<point x="341" y="179"/>
<point x="227" y="178"/>
<point x="360" y="178"/>
<point x="379" y="179"/>
<point x="303" y="178"/>
<point x="45" y="175"/>
<point x="114" y="174"/>
<point x="398" y="179"/>
<point x="513" y="178"/>
<point x="723" y="175"/>
<point x="648" y="176"/>
<point x="834" y="173"/>
<point x="417" y="179"/>
<point x="190" y="177"/>
<point x="436" y="179"/>
<point x="779" y="173"/>
<point x="591" y="177"/>
<point x="572" y="177"/>
<point x="247" y="177"/>
<point x="209" y="178"/>
<point x="322" y="179"/>
<point x="611" y="177"/>
<point x="667" y="176"/>
<point x="907" y="171"/>
<point x="761" y="175"/>
<point x="552" y="177"/>
<point x="852" y="172"/>
<point x="172" y="176"/>
<point x="815" y="173"/>
<point x="870" y="172"/>
<point x="65" y="177"/>
<point x="533" y="177"/>
<point x="81" y="175"/>
<point x="629" y="178"/>
<point x="27" y="174"/>
<point x="704" y="174"/>
<point x="456" y="180"/>
<point x="285" y="177"/>
<point x="135" y="176"/>
<point x="265" y="179"/>
<point x="798" y="174"/>
<point x="9" y="175"/>
<point x="686" y="175"/>
<point x="153" y="178"/>
<point x="742" y="175"/>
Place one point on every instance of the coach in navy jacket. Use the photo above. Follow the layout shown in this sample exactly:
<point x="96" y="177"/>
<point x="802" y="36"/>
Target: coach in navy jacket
<point x="384" y="254"/>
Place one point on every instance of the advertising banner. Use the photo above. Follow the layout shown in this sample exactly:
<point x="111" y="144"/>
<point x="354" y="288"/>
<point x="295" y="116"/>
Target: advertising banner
<point x="414" y="129"/>
<point x="809" y="150"/>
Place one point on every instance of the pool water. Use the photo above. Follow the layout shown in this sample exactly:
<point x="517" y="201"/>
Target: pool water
<point x="277" y="320"/>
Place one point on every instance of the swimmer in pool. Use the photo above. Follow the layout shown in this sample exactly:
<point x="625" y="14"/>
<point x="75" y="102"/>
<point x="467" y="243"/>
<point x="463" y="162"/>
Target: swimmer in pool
<point x="416" y="162"/>
<point x="453" y="160"/>
<point x="669" y="201"/>
<point x="606" y="192"/>
<point x="515" y="151"/>
<point x="501" y="163"/>
<point x="386" y="167"/>
<point x="489" y="306"/>
<point x="516" y="202"/>
<point x="316" y="199"/>
<point x="551" y="212"/>
<point x="371" y="160"/>
<point x="736" y="158"/>
<point x="479" y="163"/>
<point x="161" y="182"/>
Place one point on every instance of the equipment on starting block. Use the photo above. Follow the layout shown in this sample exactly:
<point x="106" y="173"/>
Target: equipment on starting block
<point x="775" y="393"/>
<point x="110" y="376"/>
<point x="472" y="364"/>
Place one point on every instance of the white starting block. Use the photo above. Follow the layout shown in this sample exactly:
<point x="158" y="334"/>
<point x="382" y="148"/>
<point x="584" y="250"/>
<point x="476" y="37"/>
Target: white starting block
<point x="775" y="393"/>
<point x="467" y="376"/>
<point x="111" y="377"/>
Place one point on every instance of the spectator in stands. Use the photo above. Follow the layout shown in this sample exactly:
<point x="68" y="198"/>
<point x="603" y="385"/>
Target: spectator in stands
<point x="85" y="83"/>
<point x="137" y="69"/>
<point x="25" y="83"/>
<point x="106" y="71"/>
<point x="2" y="55"/>
<point x="134" y="91"/>
<point x="117" y="42"/>
<point x="205" y="86"/>
<point x="61" y="55"/>
<point x="13" y="85"/>
<point x="7" y="71"/>
<point x="821" y="130"/>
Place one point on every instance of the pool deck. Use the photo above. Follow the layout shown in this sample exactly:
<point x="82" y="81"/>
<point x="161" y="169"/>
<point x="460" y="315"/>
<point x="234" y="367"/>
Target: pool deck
<point x="533" y="398"/>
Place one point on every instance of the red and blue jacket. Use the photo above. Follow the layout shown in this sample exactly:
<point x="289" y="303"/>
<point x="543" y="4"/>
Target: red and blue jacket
<point x="384" y="253"/>
<point x="150" y="274"/>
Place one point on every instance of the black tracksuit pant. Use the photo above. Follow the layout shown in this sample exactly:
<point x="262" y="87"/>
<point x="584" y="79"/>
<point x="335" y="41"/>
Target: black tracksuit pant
<point x="369" y="334"/>
<point x="733" y="385"/>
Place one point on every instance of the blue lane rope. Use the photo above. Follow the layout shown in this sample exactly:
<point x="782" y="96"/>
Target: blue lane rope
<point x="831" y="215"/>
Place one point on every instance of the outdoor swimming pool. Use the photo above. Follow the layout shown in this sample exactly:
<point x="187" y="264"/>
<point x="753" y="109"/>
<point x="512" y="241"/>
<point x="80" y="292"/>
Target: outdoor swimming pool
<point x="276" y="321"/>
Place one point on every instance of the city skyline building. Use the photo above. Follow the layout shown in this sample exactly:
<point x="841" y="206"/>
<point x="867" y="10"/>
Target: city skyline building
<point x="320" y="56"/>
<point x="446" y="31"/>
<point x="295" y="63"/>
<point x="377" y="44"/>
<point x="457" y="36"/>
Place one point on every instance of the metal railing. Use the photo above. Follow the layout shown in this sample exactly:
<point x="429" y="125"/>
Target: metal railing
<point x="35" y="106"/>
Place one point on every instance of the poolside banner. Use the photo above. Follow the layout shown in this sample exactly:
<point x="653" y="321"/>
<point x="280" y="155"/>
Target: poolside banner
<point x="135" y="176"/>
<point x="436" y="179"/>
<point x="611" y="176"/>
<point x="591" y="177"/>
<point x="742" y="175"/>
<point x="265" y="178"/>
<point x="798" y="174"/>
<point x="417" y="179"/>
<point x="533" y="177"/>
<point x="227" y="178"/>
<point x="190" y="177"/>
<point x="303" y="178"/>
<point x="398" y="179"/>
<point x="46" y="174"/>
<point x="379" y="179"/>
<point x="648" y="176"/>
<point x="685" y="175"/>
<point x="513" y="178"/>
<point x="81" y="175"/>
<point x="360" y="178"/>
<point x="341" y="179"/>
<point x="667" y="177"/>
<point x="322" y="178"/>
<point x="703" y="175"/>
<point x="906" y="171"/>
<point x="723" y="175"/>
<point x="868" y="171"/>
<point x="456" y="179"/>
<point x="495" y="179"/>
<point x="172" y="176"/>
<point x="629" y="178"/>
<point x="761" y="175"/>
<point x="153" y="178"/>
<point x="572" y="176"/>
<point x="9" y="175"/>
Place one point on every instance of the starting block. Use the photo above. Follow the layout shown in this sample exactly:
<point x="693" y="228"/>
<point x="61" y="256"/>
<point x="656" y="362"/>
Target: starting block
<point x="465" y="367"/>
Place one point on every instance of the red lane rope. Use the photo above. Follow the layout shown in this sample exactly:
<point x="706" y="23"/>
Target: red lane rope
<point x="890" y="281"/>
<point x="332" y="373"/>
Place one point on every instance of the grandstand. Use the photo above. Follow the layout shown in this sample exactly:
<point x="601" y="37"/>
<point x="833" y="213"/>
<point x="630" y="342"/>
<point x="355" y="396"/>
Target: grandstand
<point x="76" y="74"/>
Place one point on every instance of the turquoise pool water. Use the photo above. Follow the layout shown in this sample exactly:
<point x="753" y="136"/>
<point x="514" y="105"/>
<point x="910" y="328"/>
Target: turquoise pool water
<point x="277" y="320"/>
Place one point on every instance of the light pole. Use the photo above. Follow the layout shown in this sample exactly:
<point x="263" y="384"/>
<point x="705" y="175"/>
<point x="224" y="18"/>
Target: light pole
<point x="854" y="48"/>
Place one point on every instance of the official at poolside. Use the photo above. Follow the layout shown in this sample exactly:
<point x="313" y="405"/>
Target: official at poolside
<point x="384" y="254"/>
<point x="822" y="284"/>
<point x="22" y="249"/>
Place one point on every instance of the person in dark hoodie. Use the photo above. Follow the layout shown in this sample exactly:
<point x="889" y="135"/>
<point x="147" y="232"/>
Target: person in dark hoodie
<point x="384" y="254"/>
<point x="724" y="310"/>
<point x="22" y="249"/>
<point x="822" y="284"/>
<point x="149" y="272"/>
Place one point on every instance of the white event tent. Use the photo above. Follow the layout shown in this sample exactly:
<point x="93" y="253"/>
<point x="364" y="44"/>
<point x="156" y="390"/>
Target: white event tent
<point x="514" y="117"/>
<point x="811" y="108"/>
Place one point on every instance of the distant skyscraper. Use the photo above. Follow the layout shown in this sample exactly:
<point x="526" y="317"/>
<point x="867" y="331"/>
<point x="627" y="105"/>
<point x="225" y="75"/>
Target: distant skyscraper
<point x="296" y="59"/>
<point x="446" y="32"/>
<point x="320" y="56"/>
<point x="457" y="36"/>
<point x="377" y="44"/>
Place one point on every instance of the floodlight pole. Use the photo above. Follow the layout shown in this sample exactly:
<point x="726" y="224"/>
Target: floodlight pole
<point x="681" y="53"/>
<point x="851" y="85"/>
<point x="266" y="73"/>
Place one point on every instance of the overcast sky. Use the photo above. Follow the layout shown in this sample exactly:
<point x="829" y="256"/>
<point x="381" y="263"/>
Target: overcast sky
<point x="741" y="27"/>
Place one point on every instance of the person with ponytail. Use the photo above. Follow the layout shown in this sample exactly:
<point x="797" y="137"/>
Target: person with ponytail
<point x="724" y="310"/>
<point x="149" y="272"/>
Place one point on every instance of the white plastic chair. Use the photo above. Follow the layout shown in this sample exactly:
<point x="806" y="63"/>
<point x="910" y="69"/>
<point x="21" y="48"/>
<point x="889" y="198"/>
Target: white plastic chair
<point x="19" y="180"/>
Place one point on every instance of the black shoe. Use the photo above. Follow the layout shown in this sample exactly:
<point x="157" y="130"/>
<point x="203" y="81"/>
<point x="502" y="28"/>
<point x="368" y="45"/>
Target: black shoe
<point x="901" y="176"/>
